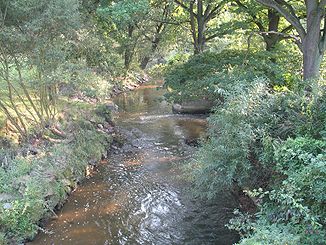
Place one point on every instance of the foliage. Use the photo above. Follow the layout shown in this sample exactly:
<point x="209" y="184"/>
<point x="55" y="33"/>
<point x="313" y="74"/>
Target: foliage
<point x="291" y="210"/>
<point x="34" y="38"/>
<point x="266" y="136"/>
<point x="261" y="138"/>
<point x="225" y="156"/>
<point x="209" y="74"/>
<point x="57" y="170"/>
<point x="272" y="234"/>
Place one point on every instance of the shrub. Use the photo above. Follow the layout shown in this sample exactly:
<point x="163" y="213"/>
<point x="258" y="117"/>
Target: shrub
<point x="244" y="132"/>
<point x="296" y="199"/>
<point x="272" y="235"/>
<point x="236" y="132"/>
<point x="208" y="74"/>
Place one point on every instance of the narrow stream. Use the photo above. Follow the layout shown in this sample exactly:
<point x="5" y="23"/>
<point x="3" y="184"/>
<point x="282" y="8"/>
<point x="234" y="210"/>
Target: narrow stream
<point x="138" y="196"/>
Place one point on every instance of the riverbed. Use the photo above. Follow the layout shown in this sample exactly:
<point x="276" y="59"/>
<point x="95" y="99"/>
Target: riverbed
<point x="139" y="194"/>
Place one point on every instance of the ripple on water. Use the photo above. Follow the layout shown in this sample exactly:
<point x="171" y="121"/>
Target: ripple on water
<point x="138" y="197"/>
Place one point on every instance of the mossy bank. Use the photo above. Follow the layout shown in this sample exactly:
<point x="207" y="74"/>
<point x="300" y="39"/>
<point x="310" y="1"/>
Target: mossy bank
<point x="36" y="178"/>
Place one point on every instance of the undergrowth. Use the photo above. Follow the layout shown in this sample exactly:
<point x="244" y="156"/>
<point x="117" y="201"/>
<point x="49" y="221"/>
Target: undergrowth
<point x="57" y="167"/>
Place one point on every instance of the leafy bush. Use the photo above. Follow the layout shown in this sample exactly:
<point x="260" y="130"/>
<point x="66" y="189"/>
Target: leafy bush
<point x="275" y="141"/>
<point x="208" y="74"/>
<point x="104" y="111"/>
<point x="235" y="132"/>
<point x="272" y="235"/>
<point x="244" y="132"/>
<point x="18" y="220"/>
<point x="296" y="200"/>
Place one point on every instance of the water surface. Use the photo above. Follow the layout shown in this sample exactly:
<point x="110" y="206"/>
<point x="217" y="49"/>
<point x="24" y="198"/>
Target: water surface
<point x="138" y="195"/>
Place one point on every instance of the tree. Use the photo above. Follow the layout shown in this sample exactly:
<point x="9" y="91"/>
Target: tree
<point x="200" y="14"/>
<point x="121" y="19"/>
<point x="311" y="37"/>
<point x="269" y="25"/>
<point x="34" y="39"/>
<point x="159" y="21"/>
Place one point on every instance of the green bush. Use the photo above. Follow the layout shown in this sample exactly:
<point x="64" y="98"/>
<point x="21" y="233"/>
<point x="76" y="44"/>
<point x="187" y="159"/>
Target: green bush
<point x="272" y="235"/>
<point x="244" y="132"/>
<point x="273" y="141"/>
<point x="296" y="200"/>
<point x="236" y="134"/>
<point x="20" y="219"/>
<point x="104" y="111"/>
<point x="208" y="75"/>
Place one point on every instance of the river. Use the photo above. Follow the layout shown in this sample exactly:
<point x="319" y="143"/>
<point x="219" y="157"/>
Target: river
<point x="138" y="196"/>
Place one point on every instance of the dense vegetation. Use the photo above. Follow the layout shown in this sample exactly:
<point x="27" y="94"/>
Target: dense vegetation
<point x="261" y="63"/>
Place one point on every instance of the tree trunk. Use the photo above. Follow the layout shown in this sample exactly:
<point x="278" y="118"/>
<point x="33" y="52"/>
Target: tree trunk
<point x="312" y="51"/>
<point x="128" y="58"/>
<point x="201" y="26"/>
<point x="272" y="39"/>
<point x="193" y="27"/>
<point x="312" y="58"/>
<point x="154" y="47"/>
<point x="128" y="49"/>
<point x="312" y="41"/>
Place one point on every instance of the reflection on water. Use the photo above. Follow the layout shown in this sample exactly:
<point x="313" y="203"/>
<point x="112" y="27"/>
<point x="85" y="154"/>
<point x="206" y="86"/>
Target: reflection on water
<point x="138" y="196"/>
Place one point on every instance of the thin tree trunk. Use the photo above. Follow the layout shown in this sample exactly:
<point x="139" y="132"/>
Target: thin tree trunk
<point x="12" y="120"/>
<point x="21" y="83"/>
<point x="11" y="99"/>
<point x="272" y="39"/>
<point x="193" y="28"/>
<point x="129" y="50"/>
<point x="147" y="58"/>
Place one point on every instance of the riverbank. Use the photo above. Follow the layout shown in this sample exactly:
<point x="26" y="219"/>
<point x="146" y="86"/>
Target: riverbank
<point x="140" y="195"/>
<point x="37" y="177"/>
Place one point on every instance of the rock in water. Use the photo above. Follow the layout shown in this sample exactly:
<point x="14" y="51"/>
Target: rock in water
<point x="193" y="107"/>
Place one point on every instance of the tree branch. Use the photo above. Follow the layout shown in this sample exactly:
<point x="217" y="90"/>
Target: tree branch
<point x="253" y="16"/>
<point x="288" y="14"/>
<point x="185" y="7"/>
<point x="296" y="39"/>
<point x="207" y="11"/>
<point x="286" y="29"/>
<point x="214" y="11"/>
<point x="212" y="36"/>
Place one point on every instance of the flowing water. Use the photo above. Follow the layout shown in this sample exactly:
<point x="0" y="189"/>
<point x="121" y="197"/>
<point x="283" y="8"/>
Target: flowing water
<point x="138" y="195"/>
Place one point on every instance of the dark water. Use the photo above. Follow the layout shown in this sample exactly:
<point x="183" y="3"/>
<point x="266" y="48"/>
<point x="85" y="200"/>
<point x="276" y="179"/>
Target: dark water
<point x="138" y="196"/>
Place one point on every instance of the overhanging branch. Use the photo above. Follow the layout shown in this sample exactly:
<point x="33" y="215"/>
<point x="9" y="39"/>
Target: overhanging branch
<point x="287" y="12"/>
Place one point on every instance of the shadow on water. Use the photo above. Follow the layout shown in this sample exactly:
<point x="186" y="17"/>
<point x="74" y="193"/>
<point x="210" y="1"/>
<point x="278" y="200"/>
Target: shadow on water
<point x="138" y="195"/>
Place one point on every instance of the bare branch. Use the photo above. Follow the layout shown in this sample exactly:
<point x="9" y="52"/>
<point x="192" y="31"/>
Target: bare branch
<point x="207" y="11"/>
<point x="4" y="15"/>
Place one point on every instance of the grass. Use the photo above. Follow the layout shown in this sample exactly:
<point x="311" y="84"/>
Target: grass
<point x="57" y="166"/>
